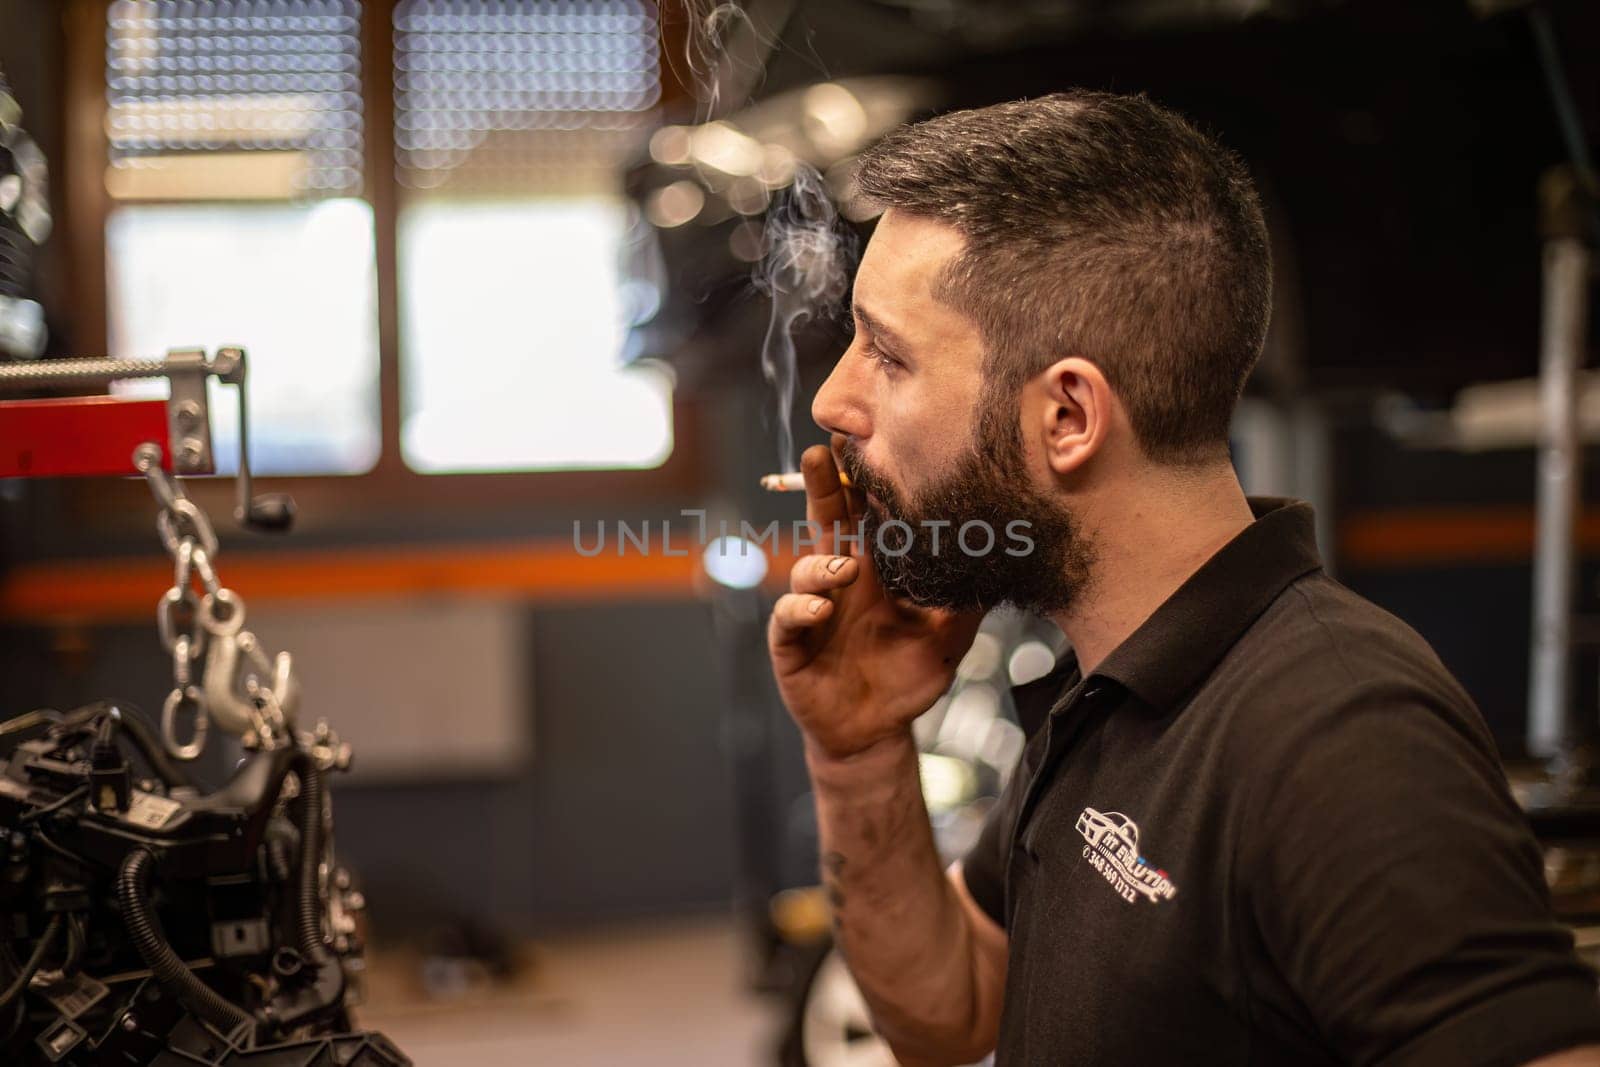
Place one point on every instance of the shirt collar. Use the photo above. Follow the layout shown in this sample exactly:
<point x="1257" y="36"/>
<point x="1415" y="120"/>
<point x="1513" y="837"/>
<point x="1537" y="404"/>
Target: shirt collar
<point x="1178" y="645"/>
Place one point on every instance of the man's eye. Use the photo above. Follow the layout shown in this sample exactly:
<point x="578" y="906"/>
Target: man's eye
<point x="878" y="356"/>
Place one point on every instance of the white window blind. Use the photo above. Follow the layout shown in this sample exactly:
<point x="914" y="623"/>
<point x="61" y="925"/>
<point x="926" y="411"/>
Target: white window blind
<point x="513" y="121"/>
<point x="234" y="141"/>
<point x="520" y="97"/>
<point x="233" y="99"/>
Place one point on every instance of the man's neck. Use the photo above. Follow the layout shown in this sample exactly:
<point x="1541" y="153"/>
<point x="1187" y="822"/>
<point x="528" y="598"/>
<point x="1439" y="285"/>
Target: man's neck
<point x="1147" y="545"/>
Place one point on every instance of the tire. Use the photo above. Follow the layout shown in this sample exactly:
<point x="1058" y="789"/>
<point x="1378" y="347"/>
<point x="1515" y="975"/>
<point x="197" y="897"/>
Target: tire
<point x="831" y="1025"/>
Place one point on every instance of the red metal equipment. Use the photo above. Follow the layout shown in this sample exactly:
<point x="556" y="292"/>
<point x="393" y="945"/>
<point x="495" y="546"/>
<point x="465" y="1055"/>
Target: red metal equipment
<point x="99" y="435"/>
<point x="79" y="435"/>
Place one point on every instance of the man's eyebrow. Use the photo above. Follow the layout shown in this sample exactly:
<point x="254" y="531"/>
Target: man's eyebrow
<point x="876" y="327"/>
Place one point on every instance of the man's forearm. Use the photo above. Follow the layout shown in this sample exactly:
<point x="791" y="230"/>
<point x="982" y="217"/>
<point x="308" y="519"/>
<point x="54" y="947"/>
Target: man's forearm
<point x="896" y="918"/>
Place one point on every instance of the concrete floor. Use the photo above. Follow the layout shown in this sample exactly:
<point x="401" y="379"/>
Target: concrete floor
<point x="666" y="994"/>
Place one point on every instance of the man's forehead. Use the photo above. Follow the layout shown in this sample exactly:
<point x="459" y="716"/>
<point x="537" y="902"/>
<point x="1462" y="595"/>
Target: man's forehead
<point x="901" y="269"/>
<point x="909" y="253"/>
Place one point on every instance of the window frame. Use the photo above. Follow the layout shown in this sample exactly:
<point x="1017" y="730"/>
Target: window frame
<point x="390" y="489"/>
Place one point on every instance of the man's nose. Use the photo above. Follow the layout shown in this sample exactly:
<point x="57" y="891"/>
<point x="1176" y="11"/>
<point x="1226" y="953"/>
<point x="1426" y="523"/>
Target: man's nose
<point x="838" y="406"/>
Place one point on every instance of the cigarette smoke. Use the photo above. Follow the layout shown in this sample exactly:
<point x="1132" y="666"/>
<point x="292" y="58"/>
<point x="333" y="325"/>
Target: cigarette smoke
<point x="707" y="43"/>
<point x="805" y="273"/>
<point x="808" y="255"/>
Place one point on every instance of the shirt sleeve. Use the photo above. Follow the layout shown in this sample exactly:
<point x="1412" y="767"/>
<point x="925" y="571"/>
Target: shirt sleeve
<point x="1395" y="883"/>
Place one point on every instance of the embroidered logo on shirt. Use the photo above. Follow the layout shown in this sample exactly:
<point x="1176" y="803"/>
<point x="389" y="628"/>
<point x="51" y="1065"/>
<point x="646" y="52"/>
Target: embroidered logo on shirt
<point x="1113" y="850"/>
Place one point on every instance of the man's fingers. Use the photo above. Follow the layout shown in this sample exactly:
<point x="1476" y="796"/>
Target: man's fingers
<point x="823" y="574"/>
<point x="826" y="505"/>
<point x="795" y="615"/>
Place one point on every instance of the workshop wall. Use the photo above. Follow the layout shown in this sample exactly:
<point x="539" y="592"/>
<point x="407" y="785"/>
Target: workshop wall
<point x="1452" y="532"/>
<point x="624" y="808"/>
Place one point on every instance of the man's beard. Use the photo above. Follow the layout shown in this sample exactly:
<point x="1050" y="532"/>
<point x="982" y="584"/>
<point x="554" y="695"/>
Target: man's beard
<point x="989" y="488"/>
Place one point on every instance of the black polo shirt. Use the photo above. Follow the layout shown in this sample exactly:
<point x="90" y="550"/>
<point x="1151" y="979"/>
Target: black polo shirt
<point x="1270" y="829"/>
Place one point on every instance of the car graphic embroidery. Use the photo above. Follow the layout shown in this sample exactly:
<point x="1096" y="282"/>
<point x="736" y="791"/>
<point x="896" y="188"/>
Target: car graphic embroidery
<point x="1115" y="837"/>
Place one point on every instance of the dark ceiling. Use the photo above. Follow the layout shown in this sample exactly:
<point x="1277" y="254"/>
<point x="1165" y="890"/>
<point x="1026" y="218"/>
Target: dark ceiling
<point x="1398" y="145"/>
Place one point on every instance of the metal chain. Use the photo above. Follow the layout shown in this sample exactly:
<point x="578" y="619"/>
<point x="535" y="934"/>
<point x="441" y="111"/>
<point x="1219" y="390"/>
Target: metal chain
<point x="187" y="535"/>
<point x="239" y="686"/>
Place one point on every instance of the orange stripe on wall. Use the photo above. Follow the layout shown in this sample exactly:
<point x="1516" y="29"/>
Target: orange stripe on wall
<point x="83" y="591"/>
<point x="118" y="589"/>
<point x="1434" y="536"/>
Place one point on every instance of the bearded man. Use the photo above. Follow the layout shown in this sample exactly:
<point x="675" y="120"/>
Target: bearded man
<point x="1257" y="821"/>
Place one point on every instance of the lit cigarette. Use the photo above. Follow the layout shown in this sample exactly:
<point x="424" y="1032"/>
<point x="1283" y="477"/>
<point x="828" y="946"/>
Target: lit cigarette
<point x="793" y="482"/>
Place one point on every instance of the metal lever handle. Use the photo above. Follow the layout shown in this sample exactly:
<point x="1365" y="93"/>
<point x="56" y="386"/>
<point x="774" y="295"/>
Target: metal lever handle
<point x="270" y="512"/>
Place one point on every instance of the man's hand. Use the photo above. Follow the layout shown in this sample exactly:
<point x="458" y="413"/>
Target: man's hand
<point x="853" y="664"/>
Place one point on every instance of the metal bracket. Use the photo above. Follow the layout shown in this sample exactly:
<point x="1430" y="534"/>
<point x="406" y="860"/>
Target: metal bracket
<point x="188" y="418"/>
<point x="188" y="428"/>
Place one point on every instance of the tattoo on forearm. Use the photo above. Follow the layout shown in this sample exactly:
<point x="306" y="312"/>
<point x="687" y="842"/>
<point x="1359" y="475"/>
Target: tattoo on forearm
<point x="833" y="882"/>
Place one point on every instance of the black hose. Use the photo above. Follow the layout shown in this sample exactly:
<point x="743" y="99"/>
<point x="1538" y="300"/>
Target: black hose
<point x="77" y="944"/>
<point x="35" y="961"/>
<point x="54" y="806"/>
<point x="133" y="890"/>
<point x="310" y="902"/>
<point x="65" y="853"/>
<point x="24" y="976"/>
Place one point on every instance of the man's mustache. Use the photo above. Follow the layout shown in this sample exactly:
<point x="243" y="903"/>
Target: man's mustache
<point x="868" y="481"/>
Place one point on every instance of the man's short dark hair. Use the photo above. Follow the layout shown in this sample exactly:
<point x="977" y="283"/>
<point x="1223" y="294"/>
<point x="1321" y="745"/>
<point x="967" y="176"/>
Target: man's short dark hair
<point x="1103" y="226"/>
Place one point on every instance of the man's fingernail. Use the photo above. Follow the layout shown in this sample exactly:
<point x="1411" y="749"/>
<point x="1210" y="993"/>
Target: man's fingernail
<point x="835" y="564"/>
<point x="815" y="606"/>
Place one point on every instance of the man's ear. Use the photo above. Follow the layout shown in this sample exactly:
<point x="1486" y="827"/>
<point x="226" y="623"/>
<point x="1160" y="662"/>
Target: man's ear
<point x="1075" y="416"/>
